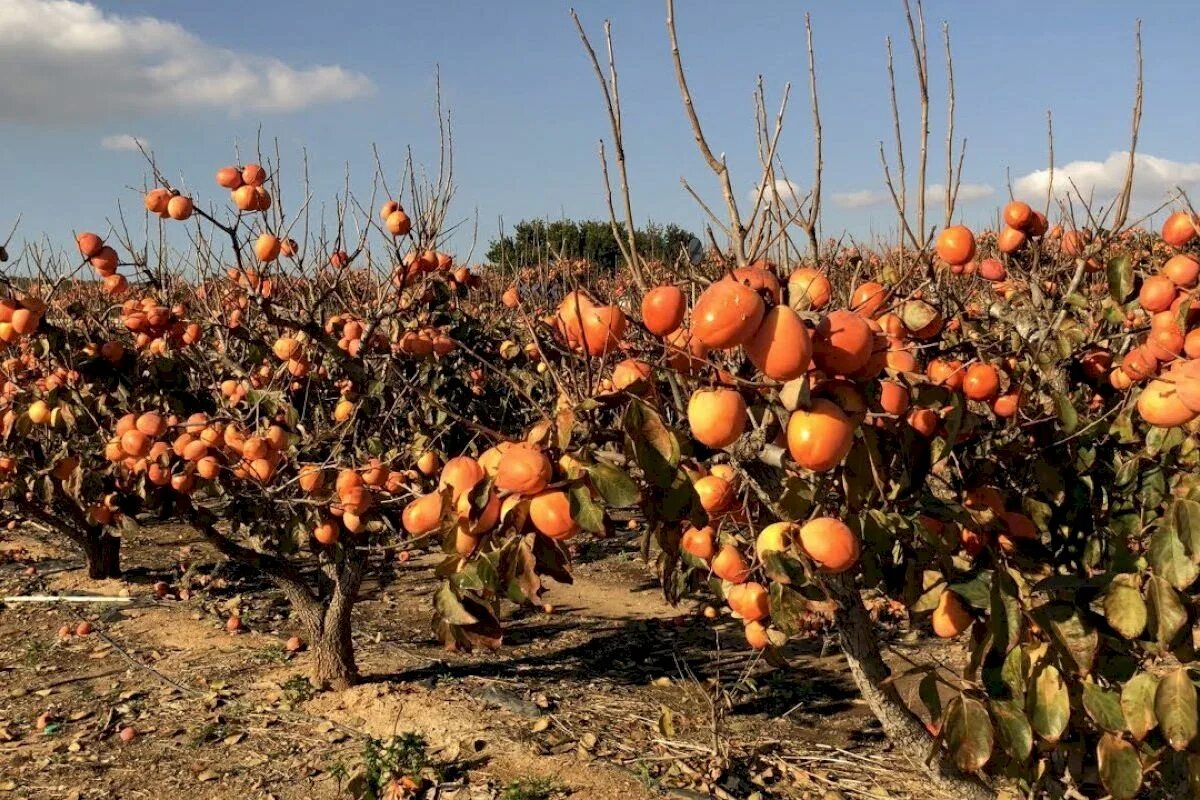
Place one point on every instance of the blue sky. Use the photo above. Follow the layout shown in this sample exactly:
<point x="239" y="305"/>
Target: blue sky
<point x="188" y="77"/>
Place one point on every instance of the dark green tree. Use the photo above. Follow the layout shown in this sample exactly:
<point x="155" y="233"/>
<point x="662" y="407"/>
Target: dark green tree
<point x="531" y="241"/>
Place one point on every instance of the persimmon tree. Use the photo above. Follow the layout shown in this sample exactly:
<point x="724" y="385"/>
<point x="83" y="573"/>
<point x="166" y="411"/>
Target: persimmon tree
<point x="998" y="433"/>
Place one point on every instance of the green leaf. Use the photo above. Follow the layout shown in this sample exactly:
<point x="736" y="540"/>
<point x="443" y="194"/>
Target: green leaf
<point x="1169" y="559"/>
<point x="976" y="590"/>
<point x="1124" y="607"/>
<point x="1012" y="728"/>
<point x="927" y="690"/>
<point x="1120" y="278"/>
<point x="788" y="608"/>
<point x="1185" y="516"/>
<point x="1137" y="704"/>
<point x="1175" y="708"/>
<point x="584" y="509"/>
<point x="1048" y="704"/>
<point x="1071" y="631"/>
<point x="968" y="733"/>
<point x="1013" y="672"/>
<point x="651" y="443"/>
<point x="1005" y="617"/>
<point x="1104" y="707"/>
<point x="1120" y="767"/>
<point x="451" y="608"/>
<point x="617" y="488"/>
<point x="1067" y="415"/>
<point x="782" y="568"/>
<point x="1167" y="613"/>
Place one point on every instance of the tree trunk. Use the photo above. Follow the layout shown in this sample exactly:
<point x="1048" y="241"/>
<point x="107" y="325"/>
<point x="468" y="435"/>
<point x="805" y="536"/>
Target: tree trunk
<point x="333" y="653"/>
<point x="103" y="553"/>
<point x="904" y="729"/>
<point x="329" y="627"/>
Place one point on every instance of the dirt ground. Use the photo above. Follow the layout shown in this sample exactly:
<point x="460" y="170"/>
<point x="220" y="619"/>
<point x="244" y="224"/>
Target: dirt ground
<point x="612" y="695"/>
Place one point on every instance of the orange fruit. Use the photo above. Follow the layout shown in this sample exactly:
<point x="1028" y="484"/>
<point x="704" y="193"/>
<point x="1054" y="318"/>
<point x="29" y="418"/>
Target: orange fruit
<point x="756" y="635"/>
<point x="716" y="494"/>
<point x="951" y="617"/>
<point x="728" y="565"/>
<point x="423" y="515"/>
<point x="819" y="437"/>
<point x="180" y="208"/>
<point x="523" y="469"/>
<point x="749" y="600"/>
<point x="781" y="348"/>
<point x="663" y="308"/>
<point x="1018" y="215"/>
<point x="1157" y="293"/>
<point x="956" y="245"/>
<point x="981" y="382"/>
<point x="808" y="289"/>
<point x="89" y="244"/>
<point x="550" y="513"/>
<point x="868" y="299"/>
<point x="1160" y="405"/>
<point x="727" y="314"/>
<point x="1010" y="240"/>
<point x="699" y="542"/>
<point x="830" y="543"/>
<point x="460" y="474"/>
<point x="716" y="417"/>
<point x="843" y="343"/>
<point x="1178" y="229"/>
<point x="776" y="537"/>
<point x="1183" y="270"/>
<point x="266" y="247"/>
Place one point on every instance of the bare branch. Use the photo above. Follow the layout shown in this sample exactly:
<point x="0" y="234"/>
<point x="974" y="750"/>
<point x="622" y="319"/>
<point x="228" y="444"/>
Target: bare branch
<point x="1136" y="123"/>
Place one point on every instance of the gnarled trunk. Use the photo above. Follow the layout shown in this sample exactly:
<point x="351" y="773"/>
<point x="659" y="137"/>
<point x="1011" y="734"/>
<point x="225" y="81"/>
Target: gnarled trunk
<point x="904" y="730"/>
<point x="333" y="652"/>
<point x="326" y="620"/>
<point x="103" y="554"/>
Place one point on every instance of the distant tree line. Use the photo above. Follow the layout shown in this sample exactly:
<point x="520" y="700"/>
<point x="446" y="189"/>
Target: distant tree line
<point x="531" y="241"/>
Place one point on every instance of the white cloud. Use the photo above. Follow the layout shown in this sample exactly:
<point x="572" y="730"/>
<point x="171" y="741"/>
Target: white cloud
<point x="67" y="61"/>
<point x="863" y="198"/>
<point x="788" y="192"/>
<point x="935" y="193"/>
<point x="1154" y="178"/>
<point x="123" y="142"/>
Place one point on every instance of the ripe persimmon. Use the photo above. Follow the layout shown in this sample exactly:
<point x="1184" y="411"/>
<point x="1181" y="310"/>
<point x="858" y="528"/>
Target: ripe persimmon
<point x="1178" y="229"/>
<point x="808" y="289"/>
<point x="728" y="565"/>
<point x="523" y="469"/>
<point x="699" y="542"/>
<point x="830" y="543"/>
<point x="550" y="513"/>
<point x="842" y="343"/>
<point x="716" y="417"/>
<point x="868" y="299"/>
<point x="951" y="617"/>
<point x="1018" y="215"/>
<point x="663" y="309"/>
<point x="956" y="245"/>
<point x="781" y="347"/>
<point x="981" y="382"/>
<point x="266" y="247"/>
<point x="749" y="600"/>
<point x="727" y="314"/>
<point x="819" y="437"/>
<point x="423" y="514"/>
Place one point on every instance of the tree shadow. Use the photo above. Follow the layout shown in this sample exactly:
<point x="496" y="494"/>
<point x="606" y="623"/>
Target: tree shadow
<point x="636" y="652"/>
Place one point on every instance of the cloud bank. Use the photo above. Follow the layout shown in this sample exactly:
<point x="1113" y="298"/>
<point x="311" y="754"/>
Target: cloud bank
<point x="72" y="62"/>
